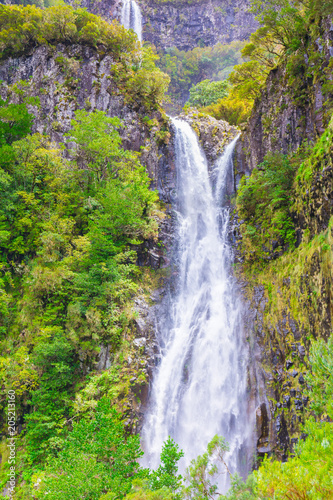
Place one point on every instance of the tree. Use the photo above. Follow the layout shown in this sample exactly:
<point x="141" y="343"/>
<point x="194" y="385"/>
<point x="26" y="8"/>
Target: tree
<point x="240" y="490"/>
<point x="97" y="143"/>
<point x="284" y="22"/>
<point x="15" y="122"/>
<point x="247" y="78"/>
<point x="97" y="458"/>
<point x="166" y="474"/>
<point x="321" y="377"/>
<point x="203" y="468"/>
<point x="207" y="92"/>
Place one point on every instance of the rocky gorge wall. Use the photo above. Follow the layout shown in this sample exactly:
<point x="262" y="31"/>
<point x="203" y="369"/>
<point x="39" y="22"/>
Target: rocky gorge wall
<point x="185" y="25"/>
<point x="290" y="297"/>
<point x="295" y="104"/>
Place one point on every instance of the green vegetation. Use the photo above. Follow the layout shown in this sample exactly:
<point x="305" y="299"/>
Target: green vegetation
<point x="284" y="37"/>
<point x="264" y="208"/>
<point x="309" y="473"/>
<point x="73" y="220"/>
<point x="166" y="474"/>
<point x="96" y="458"/>
<point x="200" y="474"/>
<point x="207" y="92"/>
<point x="134" y="70"/>
<point x="68" y="270"/>
<point x="22" y="28"/>
<point x="245" y="82"/>
<point x="189" y="68"/>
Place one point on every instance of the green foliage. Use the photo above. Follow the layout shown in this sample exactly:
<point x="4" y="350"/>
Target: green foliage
<point x="22" y="28"/>
<point x="142" y="82"/>
<point x="141" y="491"/>
<point x="247" y="79"/>
<point x="231" y="109"/>
<point x="68" y="270"/>
<point x="39" y="3"/>
<point x="54" y="359"/>
<point x="200" y="473"/>
<point x="264" y="203"/>
<point x="244" y="84"/>
<point x="166" y="474"/>
<point x="320" y="379"/>
<point x="189" y="68"/>
<point x="240" y="490"/>
<point x="96" y="458"/>
<point x="134" y="69"/>
<point x="284" y="34"/>
<point x="97" y="143"/>
<point x="308" y="474"/>
<point x="284" y="23"/>
<point x="15" y="122"/>
<point x="207" y="92"/>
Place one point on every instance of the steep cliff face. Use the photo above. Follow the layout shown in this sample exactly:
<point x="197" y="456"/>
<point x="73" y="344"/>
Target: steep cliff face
<point x="290" y="297"/>
<point x="200" y="23"/>
<point x="67" y="78"/>
<point x="186" y="25"/>
<point x="295" y="103"/>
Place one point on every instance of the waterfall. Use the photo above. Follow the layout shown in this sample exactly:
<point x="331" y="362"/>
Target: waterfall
<point x="131" y="17"/>
<point x="199" y="387"/>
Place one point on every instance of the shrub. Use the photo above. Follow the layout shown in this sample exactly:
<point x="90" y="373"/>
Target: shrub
<point x="263" y="203"/>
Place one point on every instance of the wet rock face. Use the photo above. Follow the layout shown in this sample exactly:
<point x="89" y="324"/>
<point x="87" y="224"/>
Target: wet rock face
<point x="67" y="78"/>
<point x="285" y="115"/>
<point x="185" y="25"/>
<point x="214" y="135"/>
<point x="108" y="9"/>
<point x="277" y="123"/>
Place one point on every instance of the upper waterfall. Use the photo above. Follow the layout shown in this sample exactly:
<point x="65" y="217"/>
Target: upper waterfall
<point x="131" y="17"/>
<point x="199" y="388"/>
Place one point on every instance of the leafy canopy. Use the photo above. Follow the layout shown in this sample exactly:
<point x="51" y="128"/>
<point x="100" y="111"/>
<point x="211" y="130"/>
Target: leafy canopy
<point x="264" y="207"/>
<point x="69" y="271"/>
<point x="207" y="92"/>
<point x="22" y="28"/>
<point x="97" y="457"/>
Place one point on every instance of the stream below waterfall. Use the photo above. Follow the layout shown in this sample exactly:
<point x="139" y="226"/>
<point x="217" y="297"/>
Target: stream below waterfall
<point x="199" y="386"/>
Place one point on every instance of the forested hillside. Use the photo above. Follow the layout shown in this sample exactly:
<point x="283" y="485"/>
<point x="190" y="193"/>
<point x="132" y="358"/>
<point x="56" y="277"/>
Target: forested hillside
<point x="88" y="215"/>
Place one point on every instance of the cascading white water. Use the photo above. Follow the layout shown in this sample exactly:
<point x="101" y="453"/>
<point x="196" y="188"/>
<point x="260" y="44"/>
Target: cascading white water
<point x="199" y="388"/>
<point x="131" y="17"/>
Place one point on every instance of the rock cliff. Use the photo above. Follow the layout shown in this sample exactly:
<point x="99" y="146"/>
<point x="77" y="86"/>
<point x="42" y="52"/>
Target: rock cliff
<point x="290" y="300"/>
<point x="186" y="25"/>
<point x="294" y="104"/>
